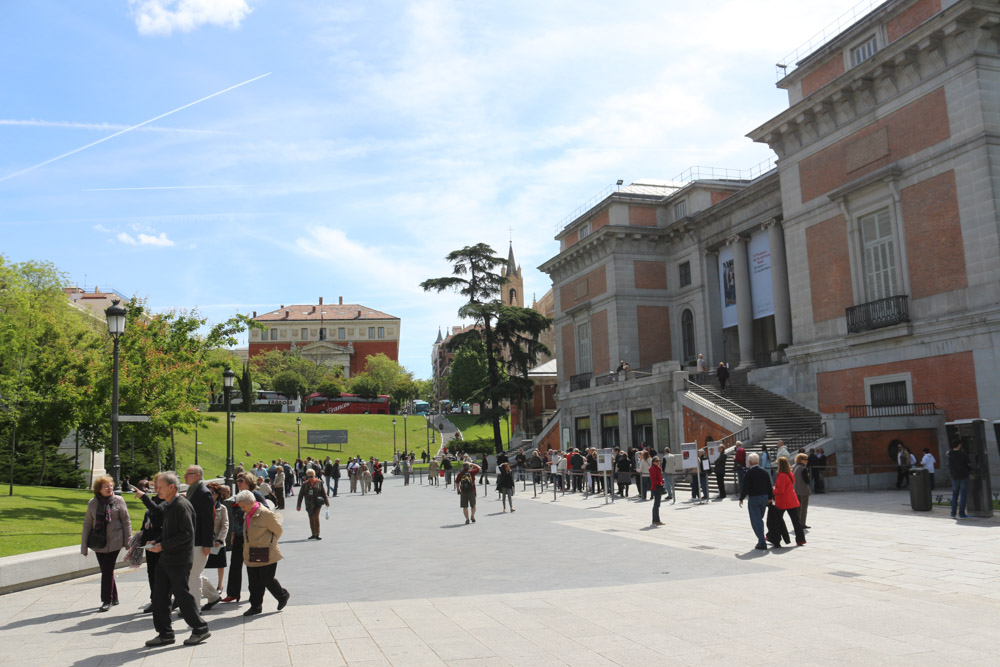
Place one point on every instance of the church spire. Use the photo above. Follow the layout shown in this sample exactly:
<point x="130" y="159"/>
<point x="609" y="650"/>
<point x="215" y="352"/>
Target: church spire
<point x="438" y="341"/>
<point x="511" y="264"/>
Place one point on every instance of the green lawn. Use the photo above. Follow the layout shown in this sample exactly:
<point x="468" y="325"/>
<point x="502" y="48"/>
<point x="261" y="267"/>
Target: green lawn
<point x="43" y="517"/>
<point x="471" y="430"/>
<point x="270" y="435"/>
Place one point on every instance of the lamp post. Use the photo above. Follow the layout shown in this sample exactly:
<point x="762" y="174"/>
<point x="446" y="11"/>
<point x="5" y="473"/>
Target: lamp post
<point x="298" y="436"/>
<point x="227" y="384"/>
<point x="404" y="435"/>
<point x="394" y="440"/>
<point x="116" y="315"/>
<point x="196" y="443"/>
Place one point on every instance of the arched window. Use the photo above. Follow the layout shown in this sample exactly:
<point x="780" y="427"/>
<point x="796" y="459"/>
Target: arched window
<point x="513" y="297"/>
<point x="687" y="334"/>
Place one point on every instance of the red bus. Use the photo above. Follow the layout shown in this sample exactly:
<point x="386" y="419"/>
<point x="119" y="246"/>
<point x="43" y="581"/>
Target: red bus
<point x="347" y="404"/>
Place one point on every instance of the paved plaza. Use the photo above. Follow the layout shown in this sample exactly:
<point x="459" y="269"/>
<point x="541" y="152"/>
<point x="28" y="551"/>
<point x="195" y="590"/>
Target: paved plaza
<point x="399" y="579"/>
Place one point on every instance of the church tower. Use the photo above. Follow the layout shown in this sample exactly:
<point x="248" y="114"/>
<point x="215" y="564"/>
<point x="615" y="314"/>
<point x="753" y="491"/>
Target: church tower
<point x="513" y="289"/>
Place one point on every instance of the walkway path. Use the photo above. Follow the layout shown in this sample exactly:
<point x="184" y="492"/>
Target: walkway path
<point x="400" y="579"/>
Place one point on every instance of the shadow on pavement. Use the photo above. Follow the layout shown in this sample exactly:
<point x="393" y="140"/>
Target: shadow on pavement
<point x="751" y="555"/>
<point x="454" y="525"/>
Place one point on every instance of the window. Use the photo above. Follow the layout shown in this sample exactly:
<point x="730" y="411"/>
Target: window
<point x="878" y="245"/>
<point x="322" y="333"/>
<point x="582" y="432"/>
<point x="341" y="334"/>
<point x="888" y="393"/>
<point x="687" y="334"/>
<point x="584" y="363"/>
<point x="584" y="231"/>
<point x="305" y="333"/>
<point x="864" y="51"/>
<point x="685" y="271"/>
<point x="642" y="428"/>
<point x="513" y="297"/>
<point x="680" y="209"/>
<point x="609" y="431"/>
<point x="274" y="334"/>
<point x="371" y="332"/>
<point x="381" y="332"/>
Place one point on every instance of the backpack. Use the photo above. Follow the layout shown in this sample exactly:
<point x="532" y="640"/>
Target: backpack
<point x="466" y="485"/>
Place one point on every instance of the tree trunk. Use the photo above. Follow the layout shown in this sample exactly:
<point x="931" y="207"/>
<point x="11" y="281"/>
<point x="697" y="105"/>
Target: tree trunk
<point x="41" y="478"/>
<point x="173" y="450"/>
<point x="494" y="375"/>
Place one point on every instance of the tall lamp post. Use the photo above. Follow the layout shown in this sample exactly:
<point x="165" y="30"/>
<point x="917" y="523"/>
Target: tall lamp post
<point x="298" y="436"/>
<point x="227" y="384"/>
<point x="404" y="435"/>
<point x="394" y="440"/>
<point x="116" y="315"/>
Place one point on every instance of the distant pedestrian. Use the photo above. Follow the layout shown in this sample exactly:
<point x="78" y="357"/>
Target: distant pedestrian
<point x="176" y="547"/>
<point x="505" y="486"/>
<point x="314" y="496"/>
<point x="702" y="367"/>
<point x="279" y="487"/>
<point x="328" y="475"/>
<point x="723" y="374"/>
<point x="902" y="467"/>
<point x="643" y="464"/>
<point x="336" y="476"/>
<point x="668" y="464"/>
<point x="446" y="466"/>
<point x="757" y="487"/>
<point x="720" y="471"/>
<point x="217" y="557"/>
<point x="262" y="528"/>
<point x="432" y="473"/>
<point x="465" y="485"/>
<point x="407" y="466"/>
<point x="927" y="463"/>
<point x="484" y="465"/>
<point x="786" y="501"/>
<point x="656" y="488"/>
<point x="740" y="464"/>
<point x="802" y="490"/>
<point x="958" y="468"/>
<point x="107" y="530"/>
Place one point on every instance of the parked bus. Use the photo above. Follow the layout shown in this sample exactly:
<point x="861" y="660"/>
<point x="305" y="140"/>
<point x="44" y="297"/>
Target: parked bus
<point x="264" y="401"/>
<point x="421" y="407"/>
<point x="347" y="404"/>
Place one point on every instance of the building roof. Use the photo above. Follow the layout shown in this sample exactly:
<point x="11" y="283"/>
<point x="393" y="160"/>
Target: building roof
<point x="312" y="312"/>
<point x="546" y="370"/>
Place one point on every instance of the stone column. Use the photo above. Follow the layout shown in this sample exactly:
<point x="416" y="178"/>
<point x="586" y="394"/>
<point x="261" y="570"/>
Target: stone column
<point x="779" y="283"/>
<point x="744" y="306"/>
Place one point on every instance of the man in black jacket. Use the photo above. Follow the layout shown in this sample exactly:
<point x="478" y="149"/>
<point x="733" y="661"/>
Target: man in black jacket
<point x="174" y="565"/>
<point x="757" y="486"/>
<point x="720" y="471"/>
<point x="204" y="537"/>
<point x="958" y="468"/>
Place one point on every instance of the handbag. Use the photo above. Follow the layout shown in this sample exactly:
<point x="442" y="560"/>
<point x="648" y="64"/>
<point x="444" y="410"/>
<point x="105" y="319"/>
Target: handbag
<point x="259" y="554"/>
<point x="97" y="540"/>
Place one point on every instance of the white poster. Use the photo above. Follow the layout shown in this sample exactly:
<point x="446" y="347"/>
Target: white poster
<point x="727" y="286"/>
<point x="762" y="294"/>
<point x="713" y="451"/>
<point x="689" y="455"/>
<point x="605" y="460"/>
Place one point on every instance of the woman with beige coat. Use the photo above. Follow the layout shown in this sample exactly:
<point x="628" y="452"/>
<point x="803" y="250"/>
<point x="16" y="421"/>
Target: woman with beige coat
<point x="107" y="530"/>
<point x="801" y="475"/>
<point x="261" y="530"/>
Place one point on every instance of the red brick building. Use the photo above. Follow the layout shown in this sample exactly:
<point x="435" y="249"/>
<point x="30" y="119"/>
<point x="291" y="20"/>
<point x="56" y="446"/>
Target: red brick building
<point x="341" y="335"/>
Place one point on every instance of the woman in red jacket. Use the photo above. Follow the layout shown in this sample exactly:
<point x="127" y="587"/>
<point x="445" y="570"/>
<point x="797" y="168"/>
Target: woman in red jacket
<point x="785" y="499"/>
<point x="656" y="485"/>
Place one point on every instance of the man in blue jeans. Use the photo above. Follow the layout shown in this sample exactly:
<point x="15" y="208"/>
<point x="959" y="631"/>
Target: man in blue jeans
<point x="958" y="467"/>
<point x="757" y="486"/>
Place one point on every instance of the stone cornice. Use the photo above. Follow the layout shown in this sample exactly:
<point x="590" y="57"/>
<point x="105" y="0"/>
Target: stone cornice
<point x="967" y="27"/>
<point x="600" y="245"/>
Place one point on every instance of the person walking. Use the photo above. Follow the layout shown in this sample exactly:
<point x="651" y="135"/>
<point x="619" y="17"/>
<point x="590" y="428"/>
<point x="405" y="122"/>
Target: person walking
<point x="802" y="491"/>
<point x="365" y="476"/>
<point x="352" y="475"/>
<point x="740" y="464"/>
<point x="279" y="487"/>
<point x="432" y="473"/>
<point x="786" y="501"/>
<point x="328" y="475"/>
<point x="484" y="465"/>
<point x="407" y="468"/>
<point x="656" y="487"/>
<point x="465" y="485"/>
<point x="623" y="465"/>
<point x="668" y="464"/>
<point x="107" y="530"/>
<point x="505" y="486"/>
<point x="757" y="487"/>
<point x="723" y="374"/>
<point x="702" y="368"/>
<point x="234" y="584"/>
<point x="152" y="525"/>
<point x="204" y="536"/>
<point x="217" y="557"/>
<point x="703" y="465"/>
<point x="377" y="477"/>
<point x="720" y="471"/>
<point x="958" y="468"/>
<point x="314" y="496"/>
<point x="765" y="462"/>
<point x="176" y="547"/>
<point x="261" y="529"/>
<point x="336" y="476"/>
<point x="643" y="464"/>
<point x="927" y="462"/>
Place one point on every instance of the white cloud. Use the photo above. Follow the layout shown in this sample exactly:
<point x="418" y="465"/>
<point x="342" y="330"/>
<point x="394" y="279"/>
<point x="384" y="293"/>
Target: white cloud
<point x="145" y="239"/>
<point x="162" y="17"/>
<point x="101" y="228"/>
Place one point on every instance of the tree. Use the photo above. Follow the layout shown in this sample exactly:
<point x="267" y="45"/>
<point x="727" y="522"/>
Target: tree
<point x="331" y="386"/>
<point x="245" y="383"/>
<point x="290" y="384"/>
<point x="364" y="385"/>
<point x="468" y="375"/>
<point x="475" y="276"/>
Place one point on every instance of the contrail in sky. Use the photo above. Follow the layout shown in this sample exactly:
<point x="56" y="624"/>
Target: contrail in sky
<point x="128" y="129"/>
<point x="164" y="187"/>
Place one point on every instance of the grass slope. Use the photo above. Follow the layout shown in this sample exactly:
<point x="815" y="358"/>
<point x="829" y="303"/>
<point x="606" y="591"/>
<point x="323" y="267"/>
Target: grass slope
<point x="471" y="430"/>
<point x="42" y="517"/>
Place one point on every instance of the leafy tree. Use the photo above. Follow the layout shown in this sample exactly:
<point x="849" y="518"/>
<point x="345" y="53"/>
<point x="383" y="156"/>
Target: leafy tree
<point x="468" y="375"/>
<point x="425" y="390"/>
<point x="365" y="386"/>
<point x="268" y="365"/>
<point x="331" y="386"/>
<point x="290" y="384"/>
<point x="387" y="373"/>
<point x="507" y="332"/>
<point x="245" y="383"/>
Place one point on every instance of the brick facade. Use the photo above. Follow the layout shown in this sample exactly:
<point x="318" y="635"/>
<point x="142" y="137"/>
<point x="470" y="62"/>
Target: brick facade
<point x="697" y="428"/>
<point x="871" y="448"/>
<point x="567" y="353"/>
<point x="822" y="75"/>
<point x="829" y="269"/>
<point x="599" y="342"/>
<point x="650" y="275"/>
<point x="654" y="334"/>
<point x="934" y="246"/>
<point x="642" y="216"/>
<point x="911" y="17"/>
<point x="584" y="288"/>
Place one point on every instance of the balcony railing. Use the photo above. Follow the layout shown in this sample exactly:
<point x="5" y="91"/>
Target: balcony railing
<point x="878" y="314"/>
<point x="581" y="381"/>
<point x="901" y="410"/>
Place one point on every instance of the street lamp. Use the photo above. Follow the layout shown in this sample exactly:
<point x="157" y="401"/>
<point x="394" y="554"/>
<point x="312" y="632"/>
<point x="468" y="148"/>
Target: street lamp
<point x="404" y="435"/>
<point x="394" y="440"/>
<point x="116" y="315"/>
<point x="196" y="443"/>
<point x="227" y="384"/>
<point x="298" y="436"/>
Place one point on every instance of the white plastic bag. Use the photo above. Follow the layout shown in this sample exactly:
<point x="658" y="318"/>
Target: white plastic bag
<point x="327" y="511"/>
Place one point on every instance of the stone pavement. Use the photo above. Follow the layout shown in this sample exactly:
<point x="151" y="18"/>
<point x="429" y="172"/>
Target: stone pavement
<point x="399" y="579"/>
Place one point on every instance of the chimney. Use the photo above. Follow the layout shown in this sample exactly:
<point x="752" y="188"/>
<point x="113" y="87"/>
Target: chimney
<point x="341" y="301"/>
<point x="96" y="291"/>
<point x="359" y="314"/>
<point x="321" y="301"/>
<point x="255" y="313"/>
<point x="314" y="307"/>
<point x="287" y="313"/>
<point x="282" y="305"/>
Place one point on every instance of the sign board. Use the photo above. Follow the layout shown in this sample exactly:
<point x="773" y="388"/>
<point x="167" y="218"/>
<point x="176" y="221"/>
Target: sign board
<point x="334" y="437"/>
<point x="605" y="460"/>
<point x="689" y="455"/>
<point x="727" y="286"/>
<point x="713" y="451"/>
<point x="133" y="418"/>
<point x="761" y="291"/>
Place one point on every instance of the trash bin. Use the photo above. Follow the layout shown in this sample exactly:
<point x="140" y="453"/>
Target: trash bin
<point x="920" y="489"/>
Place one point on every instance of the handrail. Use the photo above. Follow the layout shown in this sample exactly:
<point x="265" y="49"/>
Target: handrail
<point x="730" y="440"/>
<point x="901" y="410"/>
<point x="800" y="440"/>
<point x="739" y="411"/>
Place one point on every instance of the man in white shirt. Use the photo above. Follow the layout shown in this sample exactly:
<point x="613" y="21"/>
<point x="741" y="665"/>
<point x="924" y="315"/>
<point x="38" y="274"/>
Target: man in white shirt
<point x="669" y="463"/>
<point x="928" y="462"/>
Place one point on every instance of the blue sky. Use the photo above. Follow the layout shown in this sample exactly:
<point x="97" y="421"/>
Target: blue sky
<point x="367" y="141"/>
